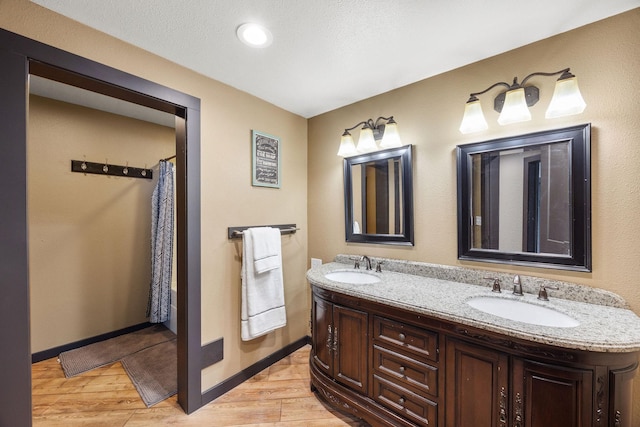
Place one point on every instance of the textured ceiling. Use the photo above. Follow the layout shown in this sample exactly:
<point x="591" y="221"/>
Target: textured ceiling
<point x="330" y="53"/>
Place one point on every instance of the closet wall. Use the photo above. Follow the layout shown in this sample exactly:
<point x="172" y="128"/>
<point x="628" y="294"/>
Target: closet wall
<point x="89" y="235"/>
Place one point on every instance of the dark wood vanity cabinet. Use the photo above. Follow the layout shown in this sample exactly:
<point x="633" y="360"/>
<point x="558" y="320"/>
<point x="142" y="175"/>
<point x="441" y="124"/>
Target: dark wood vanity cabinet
<point x="488" y="388"/>
<point x="546" y="395"/>
<point x="405" y="370"/>
<point x="340" y="343"/>
<point x="478" y="385"/>
<point x="393" y="367"/>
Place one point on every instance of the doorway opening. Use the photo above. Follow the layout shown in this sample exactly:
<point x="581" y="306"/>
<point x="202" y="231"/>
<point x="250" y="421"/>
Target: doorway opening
<point x="22" y="58"/>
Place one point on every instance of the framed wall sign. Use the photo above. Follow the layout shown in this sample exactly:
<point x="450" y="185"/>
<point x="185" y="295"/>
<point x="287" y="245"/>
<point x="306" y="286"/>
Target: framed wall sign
<point x="265" y="152"/>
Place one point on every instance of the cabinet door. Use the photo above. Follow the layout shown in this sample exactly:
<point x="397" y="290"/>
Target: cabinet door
<point x="322" y="335"/>
<point x="477" y="386"/>
<point x="546" y="395"/>
<point x="621" y="390"/>
<point x="350" y="354"/>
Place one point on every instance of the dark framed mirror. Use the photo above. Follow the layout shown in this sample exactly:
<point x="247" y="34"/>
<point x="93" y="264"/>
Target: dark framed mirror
<point x="378" y="197"/>
<point x="527" y="199"/>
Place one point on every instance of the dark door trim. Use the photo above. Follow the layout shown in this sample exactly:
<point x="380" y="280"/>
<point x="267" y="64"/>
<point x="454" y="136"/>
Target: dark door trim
<point x="531" y="204"/>
<point x="19" y="57"/>
<point x="490" y="196"/>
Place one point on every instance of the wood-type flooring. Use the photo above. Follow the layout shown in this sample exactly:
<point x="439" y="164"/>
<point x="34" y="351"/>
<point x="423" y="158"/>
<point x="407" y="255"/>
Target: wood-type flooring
<point x="279" y="396"/>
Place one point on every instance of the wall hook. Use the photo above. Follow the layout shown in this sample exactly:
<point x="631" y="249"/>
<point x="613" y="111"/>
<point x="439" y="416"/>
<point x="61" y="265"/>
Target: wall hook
<point x="104" y="168"/>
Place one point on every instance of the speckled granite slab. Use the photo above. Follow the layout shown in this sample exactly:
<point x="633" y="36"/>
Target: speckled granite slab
<point x="530" y="284"/>
<point x="602" y="327"/>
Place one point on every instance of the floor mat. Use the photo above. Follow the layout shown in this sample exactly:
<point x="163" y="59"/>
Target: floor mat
<point x="154" y="371"/>
<point x="79" y="360"/>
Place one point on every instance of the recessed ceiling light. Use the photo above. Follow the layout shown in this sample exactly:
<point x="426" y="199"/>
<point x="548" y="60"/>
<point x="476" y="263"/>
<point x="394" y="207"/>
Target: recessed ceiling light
<point x="254" y="35"/>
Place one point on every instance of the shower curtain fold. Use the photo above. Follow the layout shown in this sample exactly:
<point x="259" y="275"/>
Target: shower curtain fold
<point x="159" y="305"/>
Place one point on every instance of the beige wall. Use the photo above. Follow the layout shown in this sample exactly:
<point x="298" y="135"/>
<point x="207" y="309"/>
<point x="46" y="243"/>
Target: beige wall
<point x="228" y="199"/>
<point x="606" y="58"/>
<point x="89" y="235"/>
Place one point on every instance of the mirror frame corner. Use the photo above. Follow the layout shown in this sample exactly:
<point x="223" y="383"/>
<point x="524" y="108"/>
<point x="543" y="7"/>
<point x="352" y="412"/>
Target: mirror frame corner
<point x="407" y="237"/>
<point x="579" y="137"/>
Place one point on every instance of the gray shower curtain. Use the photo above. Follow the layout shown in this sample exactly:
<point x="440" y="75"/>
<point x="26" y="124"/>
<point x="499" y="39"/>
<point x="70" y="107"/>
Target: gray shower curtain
<point x="159" y="306"/>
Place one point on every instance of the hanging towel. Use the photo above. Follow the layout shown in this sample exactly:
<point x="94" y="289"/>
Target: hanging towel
<point x="266" y="249"/>
<point x="262" y="293"/>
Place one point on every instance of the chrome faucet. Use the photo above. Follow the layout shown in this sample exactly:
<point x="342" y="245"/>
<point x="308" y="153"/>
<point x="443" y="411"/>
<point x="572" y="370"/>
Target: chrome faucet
<point x="517" y="285"/>
<point x="368" y="260"/>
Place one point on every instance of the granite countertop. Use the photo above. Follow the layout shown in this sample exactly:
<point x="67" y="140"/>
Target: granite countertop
<point x="602" y="328"/>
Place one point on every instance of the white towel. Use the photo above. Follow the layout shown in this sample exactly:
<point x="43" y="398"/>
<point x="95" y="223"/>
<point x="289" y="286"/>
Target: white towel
<point x="262" y="294"/>
<point x="266" y="246"/>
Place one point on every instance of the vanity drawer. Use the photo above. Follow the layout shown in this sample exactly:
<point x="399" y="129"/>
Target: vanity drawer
<point x="417" y="409"/>
<point x="408" y="338"/>
<point x="405" y="370"/>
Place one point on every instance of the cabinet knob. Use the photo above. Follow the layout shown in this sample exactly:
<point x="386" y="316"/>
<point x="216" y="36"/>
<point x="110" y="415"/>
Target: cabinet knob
<point x="402" y="337"/>
<point x="401" y="369"/>
<point x="401" y="401"/>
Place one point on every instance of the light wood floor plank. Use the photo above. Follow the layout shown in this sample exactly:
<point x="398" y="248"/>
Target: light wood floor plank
<point x="279" y="396"/>
<point x="84" y="419"/>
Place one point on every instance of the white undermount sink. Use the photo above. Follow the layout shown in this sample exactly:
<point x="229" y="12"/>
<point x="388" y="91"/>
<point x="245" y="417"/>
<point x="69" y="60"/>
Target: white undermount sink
<point x="522" y="311"/>
<point x="353" y="277"/>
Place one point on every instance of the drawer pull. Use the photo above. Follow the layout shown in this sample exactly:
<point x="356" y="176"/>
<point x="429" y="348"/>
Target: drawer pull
<point x="402" y="337"/>
<point x="401" y="401"/>
<point x="401" y="369"/>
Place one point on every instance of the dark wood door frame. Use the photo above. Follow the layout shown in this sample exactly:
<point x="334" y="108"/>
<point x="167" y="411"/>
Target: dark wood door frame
<point x="490" y="195"/>
<point x="20" y="57"/>
<point x="531" y="204"/>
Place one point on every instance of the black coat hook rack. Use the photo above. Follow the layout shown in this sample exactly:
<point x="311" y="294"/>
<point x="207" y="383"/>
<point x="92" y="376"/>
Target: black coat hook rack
<point x="109" y="169"/>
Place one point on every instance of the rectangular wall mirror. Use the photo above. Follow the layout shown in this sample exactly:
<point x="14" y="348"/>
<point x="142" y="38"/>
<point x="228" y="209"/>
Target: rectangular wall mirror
<point x="527" y="199"/>
<point x="378" y="195"/>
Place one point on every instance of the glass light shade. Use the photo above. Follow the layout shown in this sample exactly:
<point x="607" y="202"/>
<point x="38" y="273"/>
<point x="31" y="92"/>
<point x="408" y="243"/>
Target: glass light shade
<point x="347" y="146"/>
<point x="391" y="136"/>
<point x="473" y="119"/>
<point x="515" y="108"/>
<point x="566" y="100"/>
<point x="366" y="142"/>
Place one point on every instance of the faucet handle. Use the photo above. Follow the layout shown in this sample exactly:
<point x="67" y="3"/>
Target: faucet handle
<point x="379" y="266"/>
<point x="542" y="293"/>
<point x="496" y="284"/>
<point x="356" y="263"/>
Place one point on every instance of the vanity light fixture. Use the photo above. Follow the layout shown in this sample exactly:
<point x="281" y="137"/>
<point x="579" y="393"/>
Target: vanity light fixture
<point x="513" y="104"/>
<point x="370" y="133"/>
<point x="254" y="35"/>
